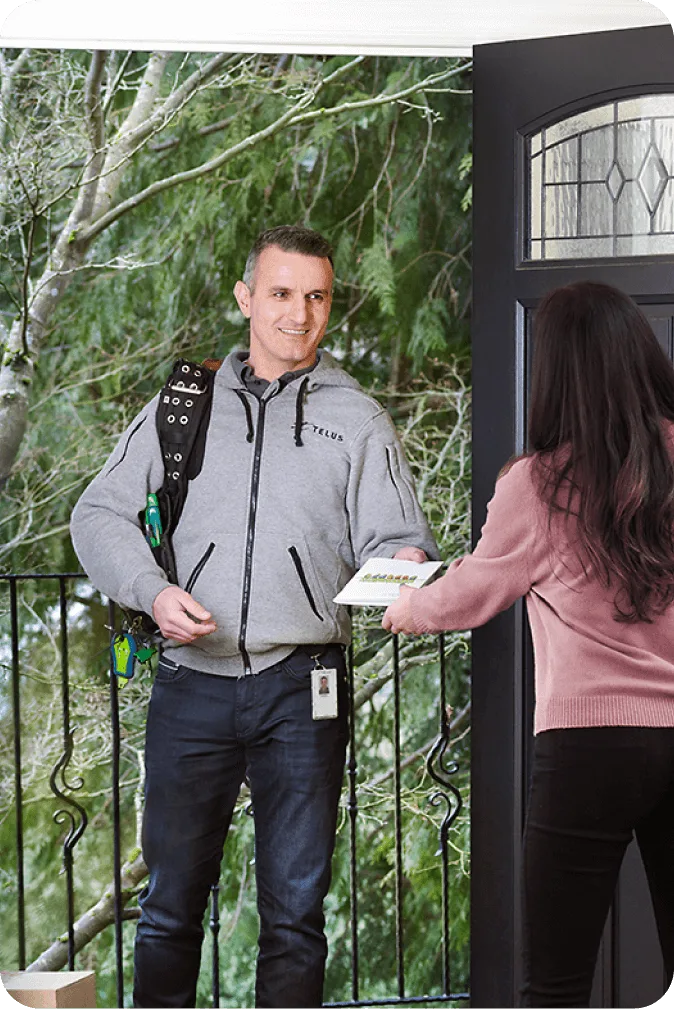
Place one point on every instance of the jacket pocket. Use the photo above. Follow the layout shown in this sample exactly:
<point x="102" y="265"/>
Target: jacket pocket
<point x="392" y="467"/>
<point x="169" y="672"/>
<point x="297" y="561"/>
<point x="199" y="567"/>
<point x="401" y="484"/>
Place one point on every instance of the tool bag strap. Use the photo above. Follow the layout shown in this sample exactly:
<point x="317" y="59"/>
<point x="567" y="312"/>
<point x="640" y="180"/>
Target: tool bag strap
<point x="183" y="415"/>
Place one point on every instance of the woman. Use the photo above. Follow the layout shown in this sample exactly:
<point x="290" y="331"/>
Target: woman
<point x="582" y="525"/>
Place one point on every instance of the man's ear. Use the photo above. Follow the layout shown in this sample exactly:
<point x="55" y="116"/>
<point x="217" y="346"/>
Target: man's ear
<point x="242" y="295"/>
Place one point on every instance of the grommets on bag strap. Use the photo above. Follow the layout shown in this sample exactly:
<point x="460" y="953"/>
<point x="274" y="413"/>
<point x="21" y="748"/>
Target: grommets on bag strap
<point x="175" y="475"/>
<point x="189" y="402"/>
<point x="178" y="457"/>
<point x="184" y="419"/>
<point x="166" y="399"/>
<point x="175" y="401"/>
<point x="170" y="419"/>
<point x="185" y="368"/>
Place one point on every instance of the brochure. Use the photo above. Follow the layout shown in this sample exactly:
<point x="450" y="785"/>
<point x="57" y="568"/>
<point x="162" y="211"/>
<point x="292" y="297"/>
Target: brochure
<point x="378" y="581"/>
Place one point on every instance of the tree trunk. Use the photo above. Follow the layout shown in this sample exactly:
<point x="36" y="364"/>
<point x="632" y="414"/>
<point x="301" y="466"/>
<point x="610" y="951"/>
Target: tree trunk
<point x="100" y="183"/>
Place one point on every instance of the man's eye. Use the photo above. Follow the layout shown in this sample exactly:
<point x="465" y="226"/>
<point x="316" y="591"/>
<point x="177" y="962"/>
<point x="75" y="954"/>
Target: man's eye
<point x="316" y="297"/>
<point x="280" y="294"/>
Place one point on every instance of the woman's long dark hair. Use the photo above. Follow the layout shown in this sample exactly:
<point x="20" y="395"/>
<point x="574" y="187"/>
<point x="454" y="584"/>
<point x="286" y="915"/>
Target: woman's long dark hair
<point x="601" y="388"/>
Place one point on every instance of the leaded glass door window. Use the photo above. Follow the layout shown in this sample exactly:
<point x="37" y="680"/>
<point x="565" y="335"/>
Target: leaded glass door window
<point x="601" y="183"/>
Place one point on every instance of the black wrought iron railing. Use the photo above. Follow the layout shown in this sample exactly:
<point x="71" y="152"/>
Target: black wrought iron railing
<point x="73" y="815"/>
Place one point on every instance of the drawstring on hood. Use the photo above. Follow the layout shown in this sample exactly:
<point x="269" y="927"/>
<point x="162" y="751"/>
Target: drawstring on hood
<point x="326" y="373"/>
<point x="299" y="412"/>
<point x="299" y="418"/>
<point x="249" y="416"/>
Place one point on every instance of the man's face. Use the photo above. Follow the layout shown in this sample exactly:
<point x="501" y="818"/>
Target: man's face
<point x="288" y="310"/>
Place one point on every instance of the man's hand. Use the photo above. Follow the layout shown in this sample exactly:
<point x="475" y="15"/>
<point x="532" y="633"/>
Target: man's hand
<point x="181" y="617"/>
<point x="397" y="617"/>
<point x="411" y="554"/>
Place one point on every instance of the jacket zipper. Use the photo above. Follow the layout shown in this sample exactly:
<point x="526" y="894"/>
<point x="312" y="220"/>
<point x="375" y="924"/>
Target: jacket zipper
<point x="250" y="537"/>
<point x="305" y="585"/>
<point x="198" y="568"/>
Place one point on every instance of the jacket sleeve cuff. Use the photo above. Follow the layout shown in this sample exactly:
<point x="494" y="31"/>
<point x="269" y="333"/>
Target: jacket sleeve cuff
<point x="145" y="589"/>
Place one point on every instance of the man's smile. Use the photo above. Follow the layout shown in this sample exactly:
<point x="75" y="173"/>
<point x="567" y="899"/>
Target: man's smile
<point x="294" y="332"/>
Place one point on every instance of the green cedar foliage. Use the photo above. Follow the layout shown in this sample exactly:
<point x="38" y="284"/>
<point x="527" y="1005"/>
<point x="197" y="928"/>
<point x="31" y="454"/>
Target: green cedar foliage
<point x="388" y="185"/>
<point x="382" y="183"/>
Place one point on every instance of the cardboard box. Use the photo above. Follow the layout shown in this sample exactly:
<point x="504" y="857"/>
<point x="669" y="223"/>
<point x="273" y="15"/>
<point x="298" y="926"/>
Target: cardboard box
<point x="52" y="989"/>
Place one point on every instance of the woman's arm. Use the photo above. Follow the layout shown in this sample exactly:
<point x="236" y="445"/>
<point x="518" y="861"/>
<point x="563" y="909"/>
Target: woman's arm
<point x="505" y="564"/>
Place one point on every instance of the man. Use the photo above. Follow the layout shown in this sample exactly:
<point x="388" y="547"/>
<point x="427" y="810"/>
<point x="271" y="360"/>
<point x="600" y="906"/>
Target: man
<point x="303" y="479"/>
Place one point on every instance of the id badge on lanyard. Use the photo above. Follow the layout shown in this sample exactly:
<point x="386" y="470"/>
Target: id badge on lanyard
<point x="323" y="693"/>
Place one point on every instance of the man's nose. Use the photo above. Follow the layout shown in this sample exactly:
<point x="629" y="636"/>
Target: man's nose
<point x="299" y="311"/>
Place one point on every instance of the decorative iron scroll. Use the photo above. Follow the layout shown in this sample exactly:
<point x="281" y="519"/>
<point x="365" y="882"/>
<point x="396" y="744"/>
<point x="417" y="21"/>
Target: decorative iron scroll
<point x="440" y="773"/>
<point x="78" y="822"/>
<point x="439" y="769"/>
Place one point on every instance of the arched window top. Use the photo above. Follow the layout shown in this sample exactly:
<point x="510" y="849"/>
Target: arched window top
<point x="601" y="183"/>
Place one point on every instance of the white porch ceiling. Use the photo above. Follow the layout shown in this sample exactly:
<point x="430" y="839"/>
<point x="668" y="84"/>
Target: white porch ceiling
<point x="406" y="27"/>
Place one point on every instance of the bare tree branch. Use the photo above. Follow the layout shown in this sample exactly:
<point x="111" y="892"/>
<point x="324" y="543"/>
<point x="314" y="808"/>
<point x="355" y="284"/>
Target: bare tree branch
<point x="222" y="124"/>
<point x="161" y="185"/>
<point x="178" y="98"/>
<point x="8" y="71"/>
<point x="292" y="117"/>
<point x="96" y="918"/>
<point x="92" y="101"/>
<point x="27" y="332"/>
<point x="95" y="129"/>
<point x="383" y="99"/>
<point x="423" y="751"/>
<point x="146" y="99"/>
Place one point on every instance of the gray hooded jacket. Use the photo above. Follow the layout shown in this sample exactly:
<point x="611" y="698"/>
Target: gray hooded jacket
<point x="297" y="490"/>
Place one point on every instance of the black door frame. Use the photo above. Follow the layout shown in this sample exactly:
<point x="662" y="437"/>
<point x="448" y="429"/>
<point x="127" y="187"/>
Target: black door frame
<point x="516" y="85"/>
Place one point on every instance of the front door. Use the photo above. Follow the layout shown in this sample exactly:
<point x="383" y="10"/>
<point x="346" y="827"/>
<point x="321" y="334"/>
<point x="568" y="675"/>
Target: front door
<point x="574" y="178"/>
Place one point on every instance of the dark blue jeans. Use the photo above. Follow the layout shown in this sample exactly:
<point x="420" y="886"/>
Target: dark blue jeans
<point x="592" y="789"/>
<point x="204" y="733"/>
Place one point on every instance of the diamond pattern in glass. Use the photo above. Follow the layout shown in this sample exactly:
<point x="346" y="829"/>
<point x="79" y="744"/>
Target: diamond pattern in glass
<point x="652" y="178"/>
<point x="607" y="186"/>
<point x="615" y="180"/>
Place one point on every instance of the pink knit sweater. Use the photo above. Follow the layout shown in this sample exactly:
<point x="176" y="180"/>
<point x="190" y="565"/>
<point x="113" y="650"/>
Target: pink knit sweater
<point x="590" y="669"/>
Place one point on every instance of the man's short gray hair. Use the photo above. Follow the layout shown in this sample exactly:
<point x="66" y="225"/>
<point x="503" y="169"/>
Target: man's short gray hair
<point x="290" y="238"/>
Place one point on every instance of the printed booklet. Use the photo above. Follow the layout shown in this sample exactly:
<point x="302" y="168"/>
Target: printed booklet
<point x="378" y="581"/>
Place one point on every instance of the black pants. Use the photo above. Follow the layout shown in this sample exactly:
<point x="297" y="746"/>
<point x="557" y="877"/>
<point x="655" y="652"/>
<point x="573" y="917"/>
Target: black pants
<point x="592" y="789"/>
<point x="203" y="734"/>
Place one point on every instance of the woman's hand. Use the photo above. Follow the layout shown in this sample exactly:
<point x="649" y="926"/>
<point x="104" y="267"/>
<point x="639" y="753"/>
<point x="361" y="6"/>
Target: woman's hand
<point x="398" y="617"/>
